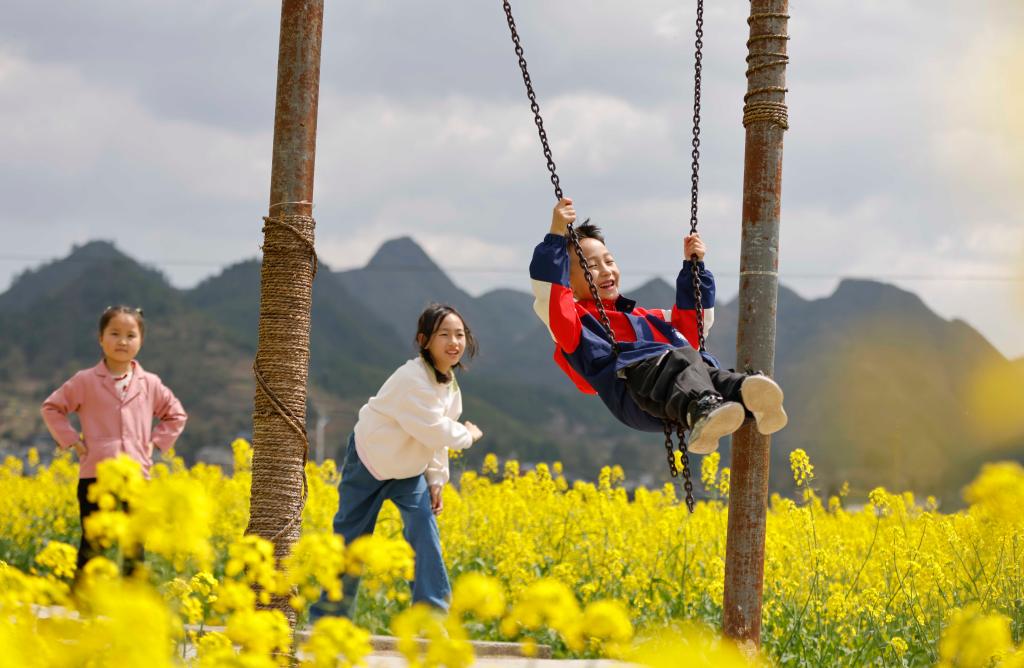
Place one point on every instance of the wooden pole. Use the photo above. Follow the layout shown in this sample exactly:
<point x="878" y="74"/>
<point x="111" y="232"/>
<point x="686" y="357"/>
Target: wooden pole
<point x="280" y="445"/>
<point x="765" y="119"/>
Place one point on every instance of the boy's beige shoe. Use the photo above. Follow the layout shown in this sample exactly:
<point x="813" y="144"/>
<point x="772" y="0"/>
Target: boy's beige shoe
<point x="710" y="418"/>
<point x="763" y="397"/>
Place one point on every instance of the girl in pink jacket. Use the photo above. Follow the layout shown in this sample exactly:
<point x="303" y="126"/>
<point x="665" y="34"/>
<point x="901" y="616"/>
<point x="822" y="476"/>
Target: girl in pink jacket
<point x="116" y="401"/>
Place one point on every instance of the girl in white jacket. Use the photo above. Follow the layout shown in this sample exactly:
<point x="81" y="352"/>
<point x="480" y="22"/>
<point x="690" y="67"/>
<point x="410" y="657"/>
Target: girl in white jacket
<point x="399" y="451"/>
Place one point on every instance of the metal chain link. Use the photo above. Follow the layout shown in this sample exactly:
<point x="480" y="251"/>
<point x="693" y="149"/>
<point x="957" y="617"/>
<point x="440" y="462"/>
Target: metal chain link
<point x="687" y="485"/>
<point x="670" y="449"/>
<point x="539" y="122"/>
<point x="669" y="426"/>
<point x="695" y="171"/>
<point x="697" y="293"/>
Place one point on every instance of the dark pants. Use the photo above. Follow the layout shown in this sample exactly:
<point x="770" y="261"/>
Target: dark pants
<point x="360" y="499"/>
<point x="86" y="550"/>
<point x="664" y="386"/>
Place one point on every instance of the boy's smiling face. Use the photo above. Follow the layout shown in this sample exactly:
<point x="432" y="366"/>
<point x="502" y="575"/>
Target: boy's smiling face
<point x="602" y="268"/>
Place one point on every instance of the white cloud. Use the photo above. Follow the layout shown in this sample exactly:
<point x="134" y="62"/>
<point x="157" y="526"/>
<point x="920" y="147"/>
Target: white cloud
<point x="75" y="128"/>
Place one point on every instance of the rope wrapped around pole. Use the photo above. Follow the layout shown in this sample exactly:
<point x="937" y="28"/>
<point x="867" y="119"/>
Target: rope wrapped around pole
<point x="279" y="414"/>
<point x="766" y="103"/>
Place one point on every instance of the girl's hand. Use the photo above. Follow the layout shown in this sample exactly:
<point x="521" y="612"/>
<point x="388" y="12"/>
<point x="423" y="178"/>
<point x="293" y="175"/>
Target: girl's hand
<point x="81" y="450"/>
<point x="692" y="245"/>
<point x="436" y="499"/>
<point x="563" y="214"/>
<point x="474" y="431"/>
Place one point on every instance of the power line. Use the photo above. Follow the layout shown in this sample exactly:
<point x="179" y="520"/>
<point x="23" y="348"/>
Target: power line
<point x="519" y="271"/>
<point x="14" y="257"/>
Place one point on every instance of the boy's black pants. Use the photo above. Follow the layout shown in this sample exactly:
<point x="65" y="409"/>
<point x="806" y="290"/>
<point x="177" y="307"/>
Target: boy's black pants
<point x="664" y="386"/>
<point x="86" y="550"/>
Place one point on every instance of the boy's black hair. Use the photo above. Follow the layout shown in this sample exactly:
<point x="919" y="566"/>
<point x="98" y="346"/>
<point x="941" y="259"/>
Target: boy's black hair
<point x="133" y="311"/>
<point x="429" y="322"/>
<point x="588" y="230"/>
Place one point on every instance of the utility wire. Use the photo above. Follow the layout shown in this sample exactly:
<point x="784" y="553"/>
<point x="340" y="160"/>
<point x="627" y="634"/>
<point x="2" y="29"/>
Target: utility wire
<point x="519" y="271"/>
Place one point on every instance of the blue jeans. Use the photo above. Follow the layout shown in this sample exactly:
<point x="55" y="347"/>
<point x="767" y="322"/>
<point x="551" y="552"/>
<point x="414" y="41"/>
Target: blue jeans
<point x="361" y="496"/>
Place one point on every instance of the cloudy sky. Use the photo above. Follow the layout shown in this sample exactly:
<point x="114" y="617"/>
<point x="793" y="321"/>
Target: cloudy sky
<point x="149" y="123"/>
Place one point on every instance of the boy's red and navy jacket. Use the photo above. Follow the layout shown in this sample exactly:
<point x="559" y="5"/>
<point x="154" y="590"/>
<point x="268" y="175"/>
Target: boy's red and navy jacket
<point x="583" y="350"/>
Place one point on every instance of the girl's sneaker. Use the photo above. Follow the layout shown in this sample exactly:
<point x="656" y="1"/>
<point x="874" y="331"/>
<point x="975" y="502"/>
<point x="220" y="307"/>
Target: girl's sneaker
<point x="710" y="418"/>
<point x="763" y="397"/>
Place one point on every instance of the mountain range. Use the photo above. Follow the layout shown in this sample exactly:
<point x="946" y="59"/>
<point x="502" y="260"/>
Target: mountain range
<point x="880" y="390"/>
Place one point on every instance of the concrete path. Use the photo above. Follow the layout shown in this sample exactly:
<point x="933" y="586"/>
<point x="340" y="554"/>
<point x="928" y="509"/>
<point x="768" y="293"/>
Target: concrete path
<point x="391" y="660"/>
<point x="488" y="654"/>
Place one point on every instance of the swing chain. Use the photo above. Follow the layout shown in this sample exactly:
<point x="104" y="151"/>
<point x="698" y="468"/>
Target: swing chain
<point x="699" y="308"/>
<point x="695" y="171"/>
<point x="534" y="106"/>
<point x="687" y="485"/>
<point x="539" y="122"/>
<point x="697" y="293"/>
<point x="670" y="449"/>
<point x="680" y="430"/>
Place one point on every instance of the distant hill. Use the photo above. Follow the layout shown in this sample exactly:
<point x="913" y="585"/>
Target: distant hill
<point x="348" y="345"/>
<point x="880" y="390"/>
<point x="400" y="280"/>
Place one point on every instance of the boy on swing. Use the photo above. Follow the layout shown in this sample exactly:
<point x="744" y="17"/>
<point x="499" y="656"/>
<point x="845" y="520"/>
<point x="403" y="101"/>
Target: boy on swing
<point x="658" y="374"/>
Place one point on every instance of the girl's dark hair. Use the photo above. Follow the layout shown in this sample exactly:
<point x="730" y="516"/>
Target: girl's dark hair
<point x="111" y="311"/>
<point x="588" y="230"/>
<point x="429" y="322"/>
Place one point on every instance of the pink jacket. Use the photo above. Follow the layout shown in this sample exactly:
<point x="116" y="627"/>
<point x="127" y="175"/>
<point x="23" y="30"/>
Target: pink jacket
<point x="111" y="426"/>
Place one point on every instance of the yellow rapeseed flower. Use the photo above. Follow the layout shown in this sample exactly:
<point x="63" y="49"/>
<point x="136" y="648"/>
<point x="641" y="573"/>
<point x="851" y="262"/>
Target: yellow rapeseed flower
<point x="709" y="470"/>
<point x="119" y="479"/>
<point x="724" y="481"/>
<point x="478" y="595"/>
<point x="490" y="466"/>
<point x="316" y="563"/>
<point x="109" y="528"/>
<point x="58" y="558"/>
<point x="380" y="560"/>
<point x="241" y="450"/>
<point x="998" y="492"/>
<point x="336" y="641"/>
<point x="260" y="632"/>
<point x="606" y="626"/>
<point x="973" y="639"/>
<point x="446" y="644"/>
<point x="803" y="470"/>
<point x="322" y="500"/>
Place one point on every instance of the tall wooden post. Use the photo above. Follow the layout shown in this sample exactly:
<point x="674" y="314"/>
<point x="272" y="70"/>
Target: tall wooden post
<point x="765" y="119"/>
<point x="286" y="287"/>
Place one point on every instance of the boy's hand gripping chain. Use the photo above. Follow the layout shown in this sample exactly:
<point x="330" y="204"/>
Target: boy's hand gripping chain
<point x="573" y="237"/>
